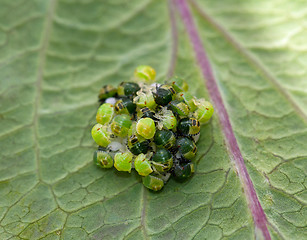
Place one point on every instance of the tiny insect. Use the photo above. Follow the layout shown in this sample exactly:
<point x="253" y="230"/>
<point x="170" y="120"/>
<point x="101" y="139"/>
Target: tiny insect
<point x="188" y="126"/>
<point x="138" y="144"/>
<point x="128" y="89"/>
<point x="121" y="125"/>
<point x="179" y="108"/>
<point x="125" y="105"/>
<point x="101" y="135"/>
<point x="152" y="182"/>
<point x="178" y="84"/>
<point x="164" y="94"/>
<point x="105" y="113"/>
<point x="187" y="147"/>
<point x="165" y="138"/>
<point x="145" y="113"/>
<point x="142" y="165"/>
<point x="204" y="111"/>
<point x="166" y="118"/>
<point x="146" y="128"/>
<point x="162" y="160"/>
<point x="103" y="159"/>
<point x="106" y="92"/>
<point x="144" y="73"/>
<point x="145" y="99"/>
<point x="183" y="171"/>
<point x="188" y="99"/>
<point x="123" y="161"/>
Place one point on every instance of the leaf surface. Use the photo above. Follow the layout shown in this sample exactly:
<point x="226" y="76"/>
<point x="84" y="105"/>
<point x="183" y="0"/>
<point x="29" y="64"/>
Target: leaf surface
<point x="54" y="57"/>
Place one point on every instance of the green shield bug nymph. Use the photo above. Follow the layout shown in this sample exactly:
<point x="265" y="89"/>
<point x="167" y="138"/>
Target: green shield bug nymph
<point x="164" y="94"/>
<point x="153" y="183"/>
<point x="100" y="135"/>
<point x="179" y="107"/>
<point x="162" y="160"/>
<point x="105" y="113"/>
<point x="145" y="74"/>
<point x="146" y="128"/>
<point x="167" y="119"/>
<point x="123" y="161"/>
<point x="145" y="113"/>
<point x="204" y="111"/>
<point x="142" y="165"/>
<point x="125" y="105"/>
<point x="138" y="144"/>
<point x="188" y="126"/>
<point x="178" y="84"/>
<point x="106" y="92"/>
<point x="121" y="125"/>
<point x="188" y="99"/>
<point x="183" y="171"/>
<point x="165" y="138"/>
<point x="128" y="89"/>
<point x="145" y="99"/>
<point x="102" y="159"/>
<point x="187" y="147"/>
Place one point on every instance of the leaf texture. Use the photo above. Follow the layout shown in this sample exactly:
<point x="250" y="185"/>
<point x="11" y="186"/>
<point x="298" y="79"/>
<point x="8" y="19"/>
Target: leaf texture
<point x="56" y="54"/>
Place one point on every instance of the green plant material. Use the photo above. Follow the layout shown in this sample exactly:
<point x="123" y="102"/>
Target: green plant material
<point x="53" y="62"/>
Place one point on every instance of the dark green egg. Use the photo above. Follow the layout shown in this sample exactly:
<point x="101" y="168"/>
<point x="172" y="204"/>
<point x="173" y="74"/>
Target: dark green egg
<point x="106" y="92"/>
<point x="125" y="105"/>
<point x="162" y="160"/>
<point x="164" y="95"/>
<point x="186" y="147"/>
<point x="165" y="138"/>
<point x="183" y="171"/>
<point x="188" y="126"/>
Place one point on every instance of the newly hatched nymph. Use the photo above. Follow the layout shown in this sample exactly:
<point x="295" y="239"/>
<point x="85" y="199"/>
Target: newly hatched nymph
<point x="186" y="147"/>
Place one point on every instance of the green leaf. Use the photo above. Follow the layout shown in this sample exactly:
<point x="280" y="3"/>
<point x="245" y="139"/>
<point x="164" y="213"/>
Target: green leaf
<point x="54" y="57"/>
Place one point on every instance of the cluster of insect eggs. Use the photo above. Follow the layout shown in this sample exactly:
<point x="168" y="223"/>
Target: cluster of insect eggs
<point x="149" y="127"/>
